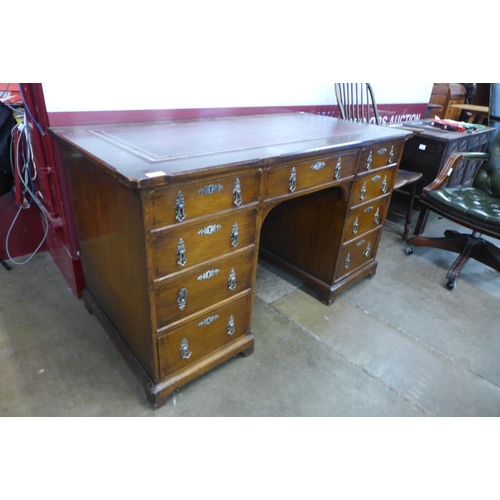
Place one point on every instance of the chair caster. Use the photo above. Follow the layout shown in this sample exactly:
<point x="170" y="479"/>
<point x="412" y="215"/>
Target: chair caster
<point x="409" y="250"/>
<point x="451" y="285"/>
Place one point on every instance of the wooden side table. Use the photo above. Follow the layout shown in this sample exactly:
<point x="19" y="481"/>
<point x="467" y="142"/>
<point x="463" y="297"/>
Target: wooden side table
<point x="410" y="179"/>
<point x="427" y="151"/>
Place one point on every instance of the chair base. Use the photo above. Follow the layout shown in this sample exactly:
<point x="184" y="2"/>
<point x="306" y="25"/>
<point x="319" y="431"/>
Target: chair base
<point x="468" y="246"/>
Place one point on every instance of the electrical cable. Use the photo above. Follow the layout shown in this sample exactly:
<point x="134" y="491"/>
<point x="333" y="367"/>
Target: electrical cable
<point x="38" y="247"/>
<point x="27" y="179"/>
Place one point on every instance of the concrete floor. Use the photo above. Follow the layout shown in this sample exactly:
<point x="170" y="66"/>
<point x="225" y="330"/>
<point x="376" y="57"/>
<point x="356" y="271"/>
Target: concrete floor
<point x="398" y="344"/>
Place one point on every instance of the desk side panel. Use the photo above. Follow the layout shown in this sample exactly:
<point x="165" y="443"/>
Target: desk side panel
<point x="110" y="228"/>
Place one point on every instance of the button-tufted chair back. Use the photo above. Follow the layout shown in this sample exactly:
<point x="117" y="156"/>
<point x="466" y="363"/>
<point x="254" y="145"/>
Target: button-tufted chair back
<point x="488" y="177"/>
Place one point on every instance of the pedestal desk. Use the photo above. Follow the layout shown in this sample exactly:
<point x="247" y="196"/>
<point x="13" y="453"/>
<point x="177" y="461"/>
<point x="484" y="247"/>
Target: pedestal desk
<point x="170" y="216"/>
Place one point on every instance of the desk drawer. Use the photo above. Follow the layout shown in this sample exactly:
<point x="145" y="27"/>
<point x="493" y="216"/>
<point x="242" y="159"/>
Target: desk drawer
<point x="372" y="185"/>
<point x="202" y="287"/>
<point x="357" y="253"/>
<point x="380" y="155"/>
<point x="190" y="244"/>
<point x="295" y="177"/>
<point x="189" y="344"/>
<point x="176" y="204"/>
<point x="366" y="217"/>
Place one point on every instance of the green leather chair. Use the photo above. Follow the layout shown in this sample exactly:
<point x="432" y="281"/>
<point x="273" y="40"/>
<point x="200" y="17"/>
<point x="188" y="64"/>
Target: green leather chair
<point x="466" y="192"/>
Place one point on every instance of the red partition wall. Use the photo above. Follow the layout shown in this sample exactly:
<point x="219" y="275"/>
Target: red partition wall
<point x="389" y="114"/>
<point x="21" y="229"/>
<point x="51" y="191"/>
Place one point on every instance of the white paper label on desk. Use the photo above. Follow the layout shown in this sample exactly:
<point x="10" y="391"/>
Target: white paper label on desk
<point x="155" y="174"/>
<point x="422" y="147"/>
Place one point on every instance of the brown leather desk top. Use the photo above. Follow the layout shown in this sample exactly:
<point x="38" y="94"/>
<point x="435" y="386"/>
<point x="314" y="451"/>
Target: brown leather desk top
<point x="147" y="154"/>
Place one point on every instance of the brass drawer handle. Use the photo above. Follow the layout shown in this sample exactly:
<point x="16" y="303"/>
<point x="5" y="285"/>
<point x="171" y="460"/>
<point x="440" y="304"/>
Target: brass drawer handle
<point x="384" y="185"/>
<point x="211" y="189"/>
<point x="206" y="231"/>
<point x="230" y="326"/>
<point x="355" y="226"/>
<point x="369" y="161"/>
<point x="237" y="199"/>
<point x="347" y="262"/>
<point x="185" y="352"/>
<point x="235" y="235"/>
<point x="181" y="298"/>
<point x="318" y="166"/>
<point x="391" y="156"/>
<point x="338" y="169"/>
<point x="209" y="320"/>
<point x="181" y="253"/>
<point x="208" y="274"/>
<point x="180" y="213"/>
<point x="292" y="186"/>
<point x="376" y="217"/>
<point x="232" y="280"/>
<point x="362" y="195"/>
<point x="367" y="251"/>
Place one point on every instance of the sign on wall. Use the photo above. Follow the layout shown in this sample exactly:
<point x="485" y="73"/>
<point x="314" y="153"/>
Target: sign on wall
<point x="99" y="102"/>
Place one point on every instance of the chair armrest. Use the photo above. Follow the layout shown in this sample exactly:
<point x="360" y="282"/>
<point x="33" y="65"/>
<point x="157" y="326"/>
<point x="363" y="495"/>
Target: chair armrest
<point x="453" y="160"/>
<point x="475" y="156"/>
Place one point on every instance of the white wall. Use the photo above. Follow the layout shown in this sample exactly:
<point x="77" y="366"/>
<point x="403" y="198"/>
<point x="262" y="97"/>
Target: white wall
<point x="95" y="96"/>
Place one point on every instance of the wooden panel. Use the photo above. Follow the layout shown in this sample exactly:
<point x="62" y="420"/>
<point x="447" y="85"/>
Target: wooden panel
<point x="312" y="173"/>
<point x="366" y="217"/>
<point x="199" y="199"/>
<point x="317" y="220"/>
<point x="205" y="286"/>
<point x="203" y="336"/>
<point x="373" y="184"/>
<point x="203" y="240"/>
<point x="108" y="219"/>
